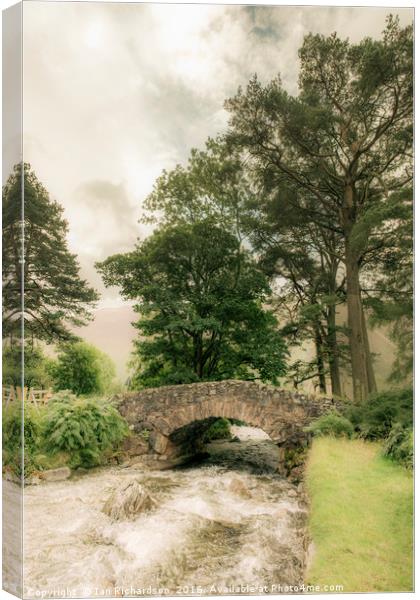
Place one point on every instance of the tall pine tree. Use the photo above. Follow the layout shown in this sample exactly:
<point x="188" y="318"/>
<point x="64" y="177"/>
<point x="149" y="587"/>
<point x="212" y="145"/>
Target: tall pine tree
<point x="36" y="259"/>
<point x="345" y="140"/>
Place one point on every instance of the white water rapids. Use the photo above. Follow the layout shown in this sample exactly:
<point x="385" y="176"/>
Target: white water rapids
<point x="212" y="531"/>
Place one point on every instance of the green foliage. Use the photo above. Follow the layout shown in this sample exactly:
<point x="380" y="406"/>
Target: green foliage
<point x="201" y="307"/>
<point x="56" y="298"/>
<point x="69" y="430"/>
<point x="237" y="422"/>
<point x="45" y="461"/>
<point x="392" y="302"/>
<point x="83" y="369"/>
<point x="219" y="430"/>
<point x="37" y="371"/>
<point x="399" y="445"/>
<point x="212" y="186"/>
<point x="332" y="424"/>
<point x="84" y="428"/>
<point x="13" y="421"/>
<point x="375" y="417"/>
<point x="294" y="459"/>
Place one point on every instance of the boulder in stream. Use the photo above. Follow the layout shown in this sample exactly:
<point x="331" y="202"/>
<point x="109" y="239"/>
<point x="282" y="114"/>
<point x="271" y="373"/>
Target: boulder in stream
<point x="127" y="502"/>
<point x="238" y="487"/>
<point x="59" y="474"/>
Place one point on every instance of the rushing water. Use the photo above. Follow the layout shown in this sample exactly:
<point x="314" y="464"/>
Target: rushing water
<point x="214" y="530"/>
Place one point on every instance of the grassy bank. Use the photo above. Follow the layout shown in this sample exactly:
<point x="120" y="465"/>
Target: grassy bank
<point x="361" y="517"/>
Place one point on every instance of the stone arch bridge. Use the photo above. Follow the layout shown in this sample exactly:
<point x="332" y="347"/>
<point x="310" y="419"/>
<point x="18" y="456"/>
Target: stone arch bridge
<point x="168" y="412"/>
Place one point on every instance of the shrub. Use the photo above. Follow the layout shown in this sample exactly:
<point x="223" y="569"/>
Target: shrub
<point x="331" y="424"/>
<point x="237" y="422"/>
<point x="83" y="369"/>
<point x="12" y="438"/>
<point x="374" y="418"/>
<point x="219" y="430"/>
<point x="399" y="445"/>
<point x="83" y="427"/>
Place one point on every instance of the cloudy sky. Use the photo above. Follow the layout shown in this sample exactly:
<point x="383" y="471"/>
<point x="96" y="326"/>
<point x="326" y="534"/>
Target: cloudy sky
<point x="114" y="93"/>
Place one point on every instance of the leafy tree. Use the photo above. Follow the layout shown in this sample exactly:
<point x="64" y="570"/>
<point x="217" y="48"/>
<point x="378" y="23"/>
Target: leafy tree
<point x="37" y="371"/>
<point x="216" y="185"/>
<point x="200" y="299"/>
<point x="304" y="262"/>
<point x="345" y="141"/>
<point x="56" y="298"/>
<point x="390" y="287"/>
<point x="213" y="186"/>
<point x="83" y="369"/>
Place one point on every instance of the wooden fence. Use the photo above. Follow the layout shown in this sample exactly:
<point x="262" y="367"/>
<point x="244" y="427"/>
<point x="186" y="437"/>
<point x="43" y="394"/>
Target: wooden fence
<point x="31" y="395"/>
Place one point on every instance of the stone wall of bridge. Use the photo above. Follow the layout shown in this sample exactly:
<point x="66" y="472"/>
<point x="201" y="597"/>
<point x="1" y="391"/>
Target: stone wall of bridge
<point x="164" y="411"/>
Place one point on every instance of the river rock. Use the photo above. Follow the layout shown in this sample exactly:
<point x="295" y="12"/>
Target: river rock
<point x="158" y="442"/>
<point x="299" y="518"/>
<point x="33" y="480"/>
<point x="238" y="487"/>
<point x="59" y="474"/>
<point x="128" y="501"/>
<point x="135" y="446"/>
<point x="82" y="471"/>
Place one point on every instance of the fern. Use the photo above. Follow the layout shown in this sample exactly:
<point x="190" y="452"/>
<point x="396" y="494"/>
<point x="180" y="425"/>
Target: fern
<point x="82" y="427"/>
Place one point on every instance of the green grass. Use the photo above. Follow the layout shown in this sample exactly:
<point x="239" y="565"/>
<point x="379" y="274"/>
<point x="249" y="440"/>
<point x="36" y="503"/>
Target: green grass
<point x="361" y="519"/>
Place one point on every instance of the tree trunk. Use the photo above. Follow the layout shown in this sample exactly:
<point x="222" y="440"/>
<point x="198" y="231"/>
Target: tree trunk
<point x="356" y="331"/>
<point x="333" y="352"/>
<point x="320" y="361"/>
<point x="355" y="318"/>
<point x="355" y="315"/>
<point x="369" y="361"/>
<point x="198" y="355"/>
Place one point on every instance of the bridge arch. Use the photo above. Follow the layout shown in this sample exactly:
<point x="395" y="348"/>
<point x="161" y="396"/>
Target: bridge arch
<point x="162" y="411"/>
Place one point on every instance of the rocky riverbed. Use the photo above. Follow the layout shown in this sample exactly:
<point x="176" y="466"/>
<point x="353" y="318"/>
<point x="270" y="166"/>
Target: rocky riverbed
<point x="228" y="525"/>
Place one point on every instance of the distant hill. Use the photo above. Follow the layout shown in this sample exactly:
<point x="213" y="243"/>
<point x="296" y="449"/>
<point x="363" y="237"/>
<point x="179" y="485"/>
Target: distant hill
<point x="111" y="331"/>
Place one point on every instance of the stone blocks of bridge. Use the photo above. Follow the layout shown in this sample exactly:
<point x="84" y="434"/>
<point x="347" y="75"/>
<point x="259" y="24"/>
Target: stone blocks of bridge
<point x="162" y="411"/>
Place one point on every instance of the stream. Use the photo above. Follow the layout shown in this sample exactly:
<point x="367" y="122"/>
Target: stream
<point x="229" y="525"/>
